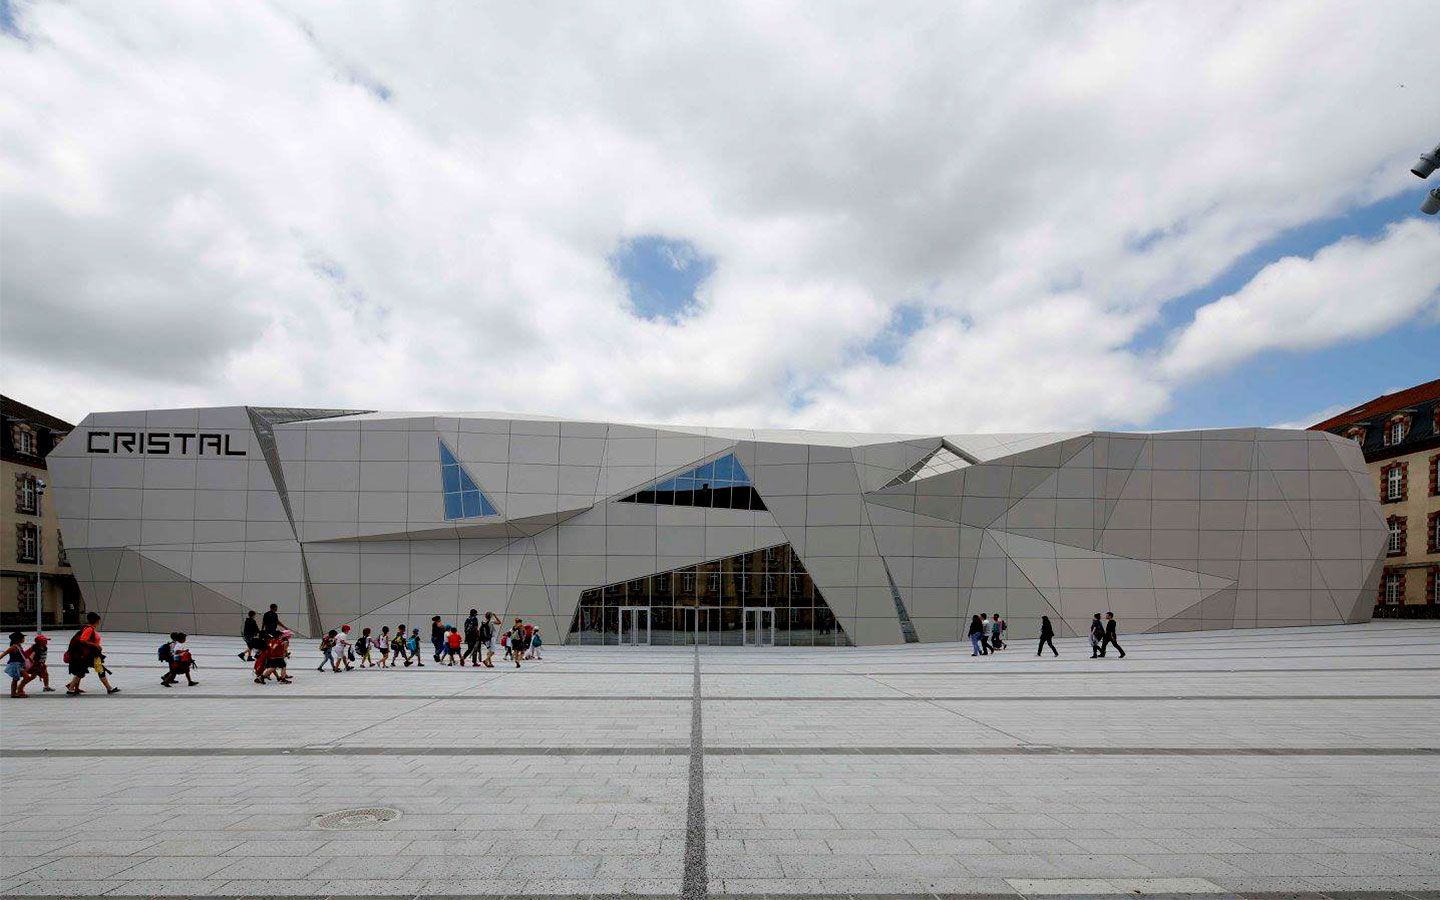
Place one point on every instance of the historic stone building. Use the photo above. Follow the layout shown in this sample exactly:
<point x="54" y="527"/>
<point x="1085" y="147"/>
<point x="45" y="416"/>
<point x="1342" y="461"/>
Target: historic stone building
<point x="1399" y="434"/>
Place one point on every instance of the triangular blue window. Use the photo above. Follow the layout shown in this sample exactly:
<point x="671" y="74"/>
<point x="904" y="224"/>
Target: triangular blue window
<point x="463" y="497"/>
<point x="718" y="484"/>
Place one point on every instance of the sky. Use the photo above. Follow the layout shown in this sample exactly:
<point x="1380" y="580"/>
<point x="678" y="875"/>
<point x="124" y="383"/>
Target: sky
<point x="908" y="217"/>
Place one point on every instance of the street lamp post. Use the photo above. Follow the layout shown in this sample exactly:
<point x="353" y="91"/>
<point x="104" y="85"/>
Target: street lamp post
<point x="39" y="556"/>
<point x="1428" y="163"/>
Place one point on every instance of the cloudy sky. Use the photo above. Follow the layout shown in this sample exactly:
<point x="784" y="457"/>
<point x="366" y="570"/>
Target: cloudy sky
<point x="938" y="216"/>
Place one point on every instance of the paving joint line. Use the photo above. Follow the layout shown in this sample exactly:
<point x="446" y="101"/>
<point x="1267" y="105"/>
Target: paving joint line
<point x="695" y="882"/>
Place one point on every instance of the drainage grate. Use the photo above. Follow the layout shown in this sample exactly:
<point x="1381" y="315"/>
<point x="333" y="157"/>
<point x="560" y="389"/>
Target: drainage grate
<point x="353" y="819"/>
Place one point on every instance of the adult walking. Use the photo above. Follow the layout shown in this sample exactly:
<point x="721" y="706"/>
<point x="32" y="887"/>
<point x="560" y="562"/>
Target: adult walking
<point x="1047" y="636"/>
<point x="1110" y="634"/>
<point x="84" y="656"/>
<point x="985" y="634"/>
<point x="270" y="623"/>
<point x="472" y="639"/>
<point x="975" y="634"/>
<point x="488" y="629"/>
<point x="437" y="636"/>
<point x="517" y="641"/>
<point x="250" y="633"/>
<point x="1097" y="636"/>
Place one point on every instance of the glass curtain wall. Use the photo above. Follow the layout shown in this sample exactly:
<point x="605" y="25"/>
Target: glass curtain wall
<point x="707" y="603"/>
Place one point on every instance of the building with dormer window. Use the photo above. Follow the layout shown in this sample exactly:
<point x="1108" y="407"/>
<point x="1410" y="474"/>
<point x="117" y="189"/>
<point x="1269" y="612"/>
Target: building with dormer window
<point x="1399" y="434"/>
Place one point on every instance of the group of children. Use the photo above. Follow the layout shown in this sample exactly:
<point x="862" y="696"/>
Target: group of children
<point x="476" y="644"/>
<point x="25" y="665"/>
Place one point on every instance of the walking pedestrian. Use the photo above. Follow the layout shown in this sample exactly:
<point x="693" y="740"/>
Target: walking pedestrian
<point x="1110" y="629"/>
<point x="1047" y="636"/>
<point x="36" y="667"/>
<point x="179" y="658"/>
<point x="517" y="642"/>
<point x="437" y="636"/>
<point x="363" y="646"/>
<point x="996" y="642"/>
<point x="84" y="656"/>
<point x="535" y="642"/>
<point x="985" y="632"/>
<point x="270" y="623"/>
<point x="271" y="660"/>
<point x="1097" y="635"/>
<point x="15" y="663"/>
<point x="328" y="643"/>
<point x="472" y="639"/>
<point x="382" y="644"/>
<point x="344" y="649"/>
<point x="412" y="646"/>
<point x="487" y="639"/>
<point x="975" y="635"/>
<point x="250" y="634"/>
<point x="452" y="647"/>
<point x="397" y="648"/>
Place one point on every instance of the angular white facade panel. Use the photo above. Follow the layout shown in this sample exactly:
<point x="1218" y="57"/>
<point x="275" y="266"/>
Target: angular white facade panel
<point x="608" y="533"/>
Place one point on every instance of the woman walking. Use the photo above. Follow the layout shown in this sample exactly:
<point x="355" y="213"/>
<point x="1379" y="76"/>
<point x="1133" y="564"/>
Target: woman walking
<point x="517" y="641"/>
<point x="975" y="633"/>
<point x="1047" y="636"/>
<point x="250" y="634"/>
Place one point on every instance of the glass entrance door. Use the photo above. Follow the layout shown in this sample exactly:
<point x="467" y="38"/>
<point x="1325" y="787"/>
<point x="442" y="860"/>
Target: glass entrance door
<point x="760" y="627"/>
<point x="634" y="625"/>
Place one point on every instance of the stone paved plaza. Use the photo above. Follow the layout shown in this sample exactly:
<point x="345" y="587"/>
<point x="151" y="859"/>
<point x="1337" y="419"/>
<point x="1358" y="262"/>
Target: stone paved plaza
<point x="1221" y="763"/>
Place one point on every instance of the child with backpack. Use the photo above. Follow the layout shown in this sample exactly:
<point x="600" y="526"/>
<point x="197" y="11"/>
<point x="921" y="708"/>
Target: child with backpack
<point x="327" y="648"/>
<point x="36" y="668"/>
<point x="382" y="644"/>
<point x="180" y="659"/>
<point x="344" y="650"/>
<point x="270" y="661"/>
<point x="412" y="648"/>
<point x="452" y="647"/>
<point x="535" y="643"/>
<point x="362" y="649"/>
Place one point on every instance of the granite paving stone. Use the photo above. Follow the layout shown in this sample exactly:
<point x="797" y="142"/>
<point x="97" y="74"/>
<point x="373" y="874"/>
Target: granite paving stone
<point x="1204" y="764"/>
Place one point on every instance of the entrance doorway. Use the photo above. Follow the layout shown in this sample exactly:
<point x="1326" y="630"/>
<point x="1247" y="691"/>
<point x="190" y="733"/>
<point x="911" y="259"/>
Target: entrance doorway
<point x="634" y="625"/>
<point x="760" y="627"/>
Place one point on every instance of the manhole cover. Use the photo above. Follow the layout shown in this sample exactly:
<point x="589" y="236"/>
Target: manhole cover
<point x="352" y="819"/>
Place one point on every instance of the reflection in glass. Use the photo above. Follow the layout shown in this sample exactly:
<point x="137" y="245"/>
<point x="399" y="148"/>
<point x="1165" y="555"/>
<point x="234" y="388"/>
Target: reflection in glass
<point x="711" y="602"/>
<point x="718" y="484"/>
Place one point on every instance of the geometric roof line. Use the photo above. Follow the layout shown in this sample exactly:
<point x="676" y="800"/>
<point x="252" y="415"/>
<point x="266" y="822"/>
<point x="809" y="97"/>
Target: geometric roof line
<point x="944" y="458"/>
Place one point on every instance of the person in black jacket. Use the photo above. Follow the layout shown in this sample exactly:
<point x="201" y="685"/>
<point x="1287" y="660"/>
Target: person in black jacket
<point x="1047" y="636"/>
<point x="1097" y="636"/>
<point x="250" y="632"/>
<point x="1110" y="636"/>
<point x="437" y="636"/>
<point x="976" y="635"/>
<point x="270" y="623"/>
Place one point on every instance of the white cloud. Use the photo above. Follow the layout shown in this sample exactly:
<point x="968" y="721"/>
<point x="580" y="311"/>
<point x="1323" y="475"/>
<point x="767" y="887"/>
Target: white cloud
<point x="1351" y="289"/>
<point x="210" y="204"/>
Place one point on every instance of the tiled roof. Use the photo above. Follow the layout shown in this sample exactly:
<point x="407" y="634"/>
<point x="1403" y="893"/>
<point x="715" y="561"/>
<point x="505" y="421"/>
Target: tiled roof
<point x="1385" y="403"/>
<point x="18" y="410"/>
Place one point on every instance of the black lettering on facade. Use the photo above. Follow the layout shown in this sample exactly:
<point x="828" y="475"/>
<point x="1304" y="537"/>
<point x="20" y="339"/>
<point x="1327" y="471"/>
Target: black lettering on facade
<point x="90" y="442"/>
<point x="157" y="442"/>
<point x="228" y="451"/>
<point x="209" y="440"/>
<point x="123" y="440"/>
<point x="185" y="438"/>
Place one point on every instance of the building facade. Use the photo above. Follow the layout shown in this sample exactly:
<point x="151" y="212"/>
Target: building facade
<point x="613" y="533"/>
<point x="33" y="561"/>
<point x="1399" y="434"/>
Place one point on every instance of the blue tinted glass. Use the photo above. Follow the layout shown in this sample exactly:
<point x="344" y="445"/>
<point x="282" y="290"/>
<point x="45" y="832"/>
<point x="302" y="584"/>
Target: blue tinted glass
<point x="450" y="478"/>
<point x="667" y="485"/>
<point x="453" y="508"/>
<point x="739" y="474"/>
<point x="723" y="470"/>
<point x="485" y="508"/>
<point x="472" y="504"/>
<point x="446" y="457"/>
<point x="706" y="472"/>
